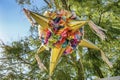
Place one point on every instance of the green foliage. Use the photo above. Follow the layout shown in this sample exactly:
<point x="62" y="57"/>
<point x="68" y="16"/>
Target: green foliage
<point x="23" y="2"/>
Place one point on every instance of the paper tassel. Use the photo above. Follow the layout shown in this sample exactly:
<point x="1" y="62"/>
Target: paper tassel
<point x="97" y="29"/>
<point x="50" y="78"/>
<point x="41" y="65"/>
<point x="27" y="13"/>
<point x="106" y="59"/>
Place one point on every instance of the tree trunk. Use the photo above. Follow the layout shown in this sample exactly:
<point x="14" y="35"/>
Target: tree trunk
<point x="98" y="71"/>
<point x="95" y="65"/>
<point x="80" y="70"/>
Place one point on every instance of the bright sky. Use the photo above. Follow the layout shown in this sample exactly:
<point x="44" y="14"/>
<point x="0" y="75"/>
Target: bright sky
<point x="13" y="22"/>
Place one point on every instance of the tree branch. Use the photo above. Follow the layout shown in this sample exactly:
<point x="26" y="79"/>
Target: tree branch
<point x="23" y="60"/>
<point x="48" y="3"/>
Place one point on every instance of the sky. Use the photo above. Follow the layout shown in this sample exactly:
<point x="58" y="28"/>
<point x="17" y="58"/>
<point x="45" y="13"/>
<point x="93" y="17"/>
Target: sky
<point x="13" y="23"/>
